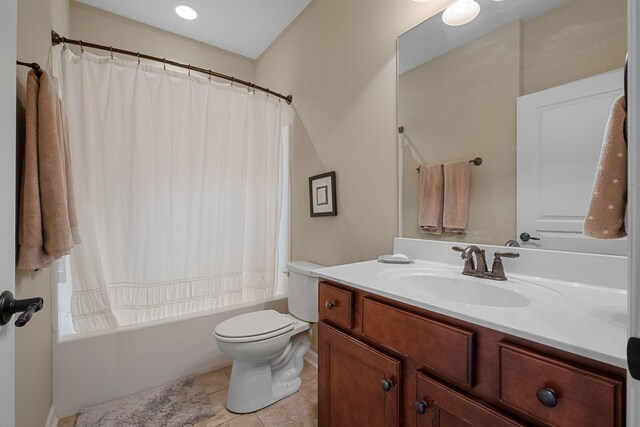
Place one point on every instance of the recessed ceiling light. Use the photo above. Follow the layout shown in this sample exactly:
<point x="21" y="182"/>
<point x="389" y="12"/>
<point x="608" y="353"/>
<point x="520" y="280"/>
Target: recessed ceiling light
<point x="461" y="12"/>
<point x="186" y="12"/>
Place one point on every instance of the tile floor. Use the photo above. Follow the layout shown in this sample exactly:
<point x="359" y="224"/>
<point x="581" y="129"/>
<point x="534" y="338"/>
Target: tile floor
<point x="297" y="410"/>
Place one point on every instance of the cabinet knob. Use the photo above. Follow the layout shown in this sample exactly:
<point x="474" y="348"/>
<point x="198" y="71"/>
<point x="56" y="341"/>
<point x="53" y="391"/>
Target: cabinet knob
<point x="547" y="397"/>
<point x="386" y="384"/>
<point x="329" y="305"/>
<point x="421" y="407"/>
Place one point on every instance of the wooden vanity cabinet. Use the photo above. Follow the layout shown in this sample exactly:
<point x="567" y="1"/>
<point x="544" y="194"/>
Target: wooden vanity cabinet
<point x="385" y="363"/>
<point x="358" y="385"/>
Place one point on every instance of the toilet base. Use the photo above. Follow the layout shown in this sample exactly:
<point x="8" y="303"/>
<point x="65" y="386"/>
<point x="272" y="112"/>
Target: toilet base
<point x="255" y="385"/>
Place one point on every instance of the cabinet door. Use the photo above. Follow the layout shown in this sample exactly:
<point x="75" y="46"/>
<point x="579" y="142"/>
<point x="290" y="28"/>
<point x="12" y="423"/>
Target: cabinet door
<point x="358" y="385"/>
<point x="440" y="406"/>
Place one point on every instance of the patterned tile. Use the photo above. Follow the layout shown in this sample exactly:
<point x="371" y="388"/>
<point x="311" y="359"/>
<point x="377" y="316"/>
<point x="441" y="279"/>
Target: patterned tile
<point x="247" y="420"/>
<point x="219" y="402"/>
<point x="227" y="370"/>
<point x="214" y="381"/>
<point x="294" y="411"/>
<point x="309" y="372"/>
<point x="69" y="421"/>
<point x="309" y="390"/>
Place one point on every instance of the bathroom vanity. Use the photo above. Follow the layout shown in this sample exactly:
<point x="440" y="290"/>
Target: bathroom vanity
<point x="390" y="356"/>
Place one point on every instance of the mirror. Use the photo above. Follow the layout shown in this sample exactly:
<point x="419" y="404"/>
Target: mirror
<point x="527" y="87"/>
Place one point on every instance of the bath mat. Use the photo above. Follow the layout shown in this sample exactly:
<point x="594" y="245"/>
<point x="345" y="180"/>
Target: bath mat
<point x="181" y="403"/>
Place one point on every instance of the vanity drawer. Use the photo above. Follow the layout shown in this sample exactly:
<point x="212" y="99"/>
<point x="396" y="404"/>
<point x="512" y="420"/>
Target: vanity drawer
<point x="582" y="397"/>
<point x="335" y="305"/>
<point x="446" y="349"/>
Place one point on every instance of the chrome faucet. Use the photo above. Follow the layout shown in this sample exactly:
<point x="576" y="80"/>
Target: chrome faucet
<point x="477" y="269"/>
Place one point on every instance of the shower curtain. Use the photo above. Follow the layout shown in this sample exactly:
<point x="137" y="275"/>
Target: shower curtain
<point x="177" y="188"/>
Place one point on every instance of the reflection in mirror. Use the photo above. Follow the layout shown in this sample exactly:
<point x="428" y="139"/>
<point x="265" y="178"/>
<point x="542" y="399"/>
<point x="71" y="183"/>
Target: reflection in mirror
<point x="527" y="87"/>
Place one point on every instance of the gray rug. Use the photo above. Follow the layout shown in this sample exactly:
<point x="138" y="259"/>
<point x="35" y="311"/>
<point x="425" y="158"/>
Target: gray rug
<point x="182" y="403"/>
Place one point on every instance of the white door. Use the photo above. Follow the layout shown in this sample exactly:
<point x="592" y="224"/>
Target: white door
<point x="633" y="121"/>
<point x="560" y="133"/>
<point x="7" y="202"/>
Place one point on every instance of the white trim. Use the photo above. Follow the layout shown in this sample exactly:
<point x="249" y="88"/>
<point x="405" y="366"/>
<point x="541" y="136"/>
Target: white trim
<point x="52" y="419"/>
<point x="312" y="358"/>
<point x="633" y="222"/>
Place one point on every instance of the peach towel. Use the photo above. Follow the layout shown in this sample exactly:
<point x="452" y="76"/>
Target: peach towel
<point x="431" y="197"/>
<point x="605" y="217"/>
<point x="457" y="177"/>
<point x="47" y="219"/>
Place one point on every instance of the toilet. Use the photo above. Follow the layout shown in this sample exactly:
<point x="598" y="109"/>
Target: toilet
<point x="268" y="347"/>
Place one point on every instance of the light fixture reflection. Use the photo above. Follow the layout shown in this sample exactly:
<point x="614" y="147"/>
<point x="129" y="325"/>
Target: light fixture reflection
<point x="461" y="12"/>
<point x="186" y="12"/>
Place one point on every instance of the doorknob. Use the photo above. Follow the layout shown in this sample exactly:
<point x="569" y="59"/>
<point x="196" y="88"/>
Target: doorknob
<point x="525" y="237"/>
<point x="10" y="306"/>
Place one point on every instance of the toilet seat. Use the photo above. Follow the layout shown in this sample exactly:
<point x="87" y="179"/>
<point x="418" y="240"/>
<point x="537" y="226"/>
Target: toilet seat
<point x="255" y="326"/>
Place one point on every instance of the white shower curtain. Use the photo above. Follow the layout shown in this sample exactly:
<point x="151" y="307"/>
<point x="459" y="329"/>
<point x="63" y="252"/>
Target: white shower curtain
<point x="177" y="187"/>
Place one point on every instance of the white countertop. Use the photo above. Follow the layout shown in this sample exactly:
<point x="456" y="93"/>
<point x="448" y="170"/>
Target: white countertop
<point x="587" y="320"/>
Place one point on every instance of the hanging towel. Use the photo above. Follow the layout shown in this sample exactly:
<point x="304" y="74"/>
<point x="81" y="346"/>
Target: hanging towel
<point x="605" y="217"/>
<point x="431" y="197"/>
<point x="47" y="218"/>
<point x="457" y="176"/>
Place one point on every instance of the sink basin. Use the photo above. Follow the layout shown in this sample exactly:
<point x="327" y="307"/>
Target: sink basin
<point x="467" y="290"/>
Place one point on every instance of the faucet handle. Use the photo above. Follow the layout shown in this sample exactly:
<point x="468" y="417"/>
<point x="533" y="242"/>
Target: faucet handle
<point x="457" y="249"/>
<point x="500" y="255"/>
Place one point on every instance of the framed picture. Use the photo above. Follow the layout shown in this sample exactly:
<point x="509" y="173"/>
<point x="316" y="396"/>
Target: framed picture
<point x="322" y="194"/>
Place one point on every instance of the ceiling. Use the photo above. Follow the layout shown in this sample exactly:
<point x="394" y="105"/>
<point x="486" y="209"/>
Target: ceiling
<point x="245" y="27"/>
<point x="433" y="37"/>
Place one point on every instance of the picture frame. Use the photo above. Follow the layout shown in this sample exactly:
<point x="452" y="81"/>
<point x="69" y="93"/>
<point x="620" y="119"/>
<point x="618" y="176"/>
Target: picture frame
<point x="322" y="195"/>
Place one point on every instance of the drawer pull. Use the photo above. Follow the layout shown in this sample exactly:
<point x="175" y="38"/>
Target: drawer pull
<point x="547" y="397"/>
<point x="329" y="305"/>
<point x="421" y="407"/>
<point x="386" y="384"/>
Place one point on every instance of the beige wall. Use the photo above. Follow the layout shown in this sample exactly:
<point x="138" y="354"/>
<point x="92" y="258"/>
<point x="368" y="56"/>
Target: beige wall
<point x="338" y="60"/>
<point x="33" y="342"/>
<point x="98" y="26"/>
<point x="454" y="113"/>
<point x="593" y="35"/>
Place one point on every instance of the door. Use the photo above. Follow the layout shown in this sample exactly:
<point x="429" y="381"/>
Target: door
<point x="8" y="19"/>
<point x="557" y="127"/>
<point x="358" y="385"/>
<point x="440" y="406"/>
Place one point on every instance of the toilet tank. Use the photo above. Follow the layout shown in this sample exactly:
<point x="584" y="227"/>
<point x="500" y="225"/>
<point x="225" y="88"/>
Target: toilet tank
<point x="303" y="290"/>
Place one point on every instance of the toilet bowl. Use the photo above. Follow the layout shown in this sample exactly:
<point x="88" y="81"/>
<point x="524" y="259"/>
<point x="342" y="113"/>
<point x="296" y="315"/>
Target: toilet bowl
<point x="268" y="347"/>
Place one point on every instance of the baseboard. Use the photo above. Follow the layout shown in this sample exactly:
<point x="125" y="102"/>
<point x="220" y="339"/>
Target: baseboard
<point x="312" y="358"/>
<point x="52" y="419"/>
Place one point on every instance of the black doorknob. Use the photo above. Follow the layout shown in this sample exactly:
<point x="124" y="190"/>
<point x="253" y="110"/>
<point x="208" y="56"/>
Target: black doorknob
<point x="421" y="407"/>
<point x="386" y="384"/>
<point x="547" y="397"/>
<point x="525" y="237"/>
<point x="10" y="306"/>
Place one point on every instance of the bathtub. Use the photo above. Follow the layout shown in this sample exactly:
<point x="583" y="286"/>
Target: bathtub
<point x="90" y="370"/>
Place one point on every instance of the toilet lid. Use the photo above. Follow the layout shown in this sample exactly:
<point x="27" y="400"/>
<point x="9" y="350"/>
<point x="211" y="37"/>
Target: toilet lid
<point x="264" y="322"/>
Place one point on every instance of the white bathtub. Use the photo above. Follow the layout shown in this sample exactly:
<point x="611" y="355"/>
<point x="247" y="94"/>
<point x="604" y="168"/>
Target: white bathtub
<point x="97" y="369"/>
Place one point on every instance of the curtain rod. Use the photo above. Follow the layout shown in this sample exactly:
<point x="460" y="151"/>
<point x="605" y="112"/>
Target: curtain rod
<point x="33" y="65"/>
<point x="57" y="39"/>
